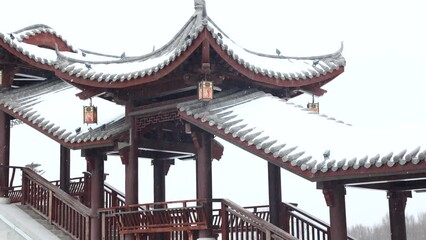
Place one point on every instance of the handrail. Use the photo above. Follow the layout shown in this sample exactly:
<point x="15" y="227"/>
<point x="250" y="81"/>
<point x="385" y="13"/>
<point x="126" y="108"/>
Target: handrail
<point x="113" y="197"/>
<point x="66" y="198"/>
<point x="12" y="192"/>
<point x="305" y="214"/>
<point x="55" y="205"/>
<point x="12" y="178"/>
<point x="304" y="225"/>
<point x="175" y="218"/>
<point x="299" y="223"/>
<point x="238" y="221"/>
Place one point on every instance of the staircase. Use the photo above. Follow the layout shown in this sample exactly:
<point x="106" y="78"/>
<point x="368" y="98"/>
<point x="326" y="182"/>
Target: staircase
<point x="52" y="228"/>
<point x="68" y="218"/>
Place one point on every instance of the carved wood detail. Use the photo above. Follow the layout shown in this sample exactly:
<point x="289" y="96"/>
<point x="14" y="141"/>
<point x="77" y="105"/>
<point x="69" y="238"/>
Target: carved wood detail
<point x="144" y="121"/>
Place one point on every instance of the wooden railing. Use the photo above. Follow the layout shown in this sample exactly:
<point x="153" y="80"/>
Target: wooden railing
<point x="113" y="197"/>
<point x="14" y="193"/>
<point x="55" y="205"/>
<point x="305" y="226"/>
<point x="76" y="189"/>
<point x="170" y="220"/>
<point x="235" y="222"/>
<point x="177" y="220"/>
<point x="299" y="223"/>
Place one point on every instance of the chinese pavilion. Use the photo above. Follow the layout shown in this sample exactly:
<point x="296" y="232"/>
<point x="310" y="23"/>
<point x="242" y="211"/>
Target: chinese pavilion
<point x="169" y="105"/>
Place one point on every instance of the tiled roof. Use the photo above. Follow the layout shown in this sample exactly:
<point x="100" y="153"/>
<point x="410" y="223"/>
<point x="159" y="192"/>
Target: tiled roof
<point x="36" y="29"/>
<point x="297" y="139"/>
<point x="52" y="108"/>
<point x="112" y="69"/>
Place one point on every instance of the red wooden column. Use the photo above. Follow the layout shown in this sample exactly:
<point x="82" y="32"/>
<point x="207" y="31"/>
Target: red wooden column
<point x="161" y="168"/>
<point x="96" y="160"/>
<point x="275" y="198"/>
<point x="4" y="154"/>
<point x="159" y="180"/>
<point x="397" y="203"/>
<point x="64" y="169"/>
<point x="6" y="80"/>
<point x="88" y="183"/>
<point x="335" y="199"/>
<point x="131" y="168"/>
<point x="203" y="143"/>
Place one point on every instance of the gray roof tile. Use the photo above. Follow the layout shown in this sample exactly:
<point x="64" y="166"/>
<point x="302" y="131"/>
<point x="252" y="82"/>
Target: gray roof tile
<point x="38" y="104"/>
<point x="109" y="68"/>
<point x="289" y="132"/>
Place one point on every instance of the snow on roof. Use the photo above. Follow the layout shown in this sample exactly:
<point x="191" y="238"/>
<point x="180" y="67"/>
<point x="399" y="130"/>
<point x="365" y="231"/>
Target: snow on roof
<point x="278" y="66"/>
<point x="311" y="141"/>
<point x="53" y="107"/>
<point x="100" y="67"/>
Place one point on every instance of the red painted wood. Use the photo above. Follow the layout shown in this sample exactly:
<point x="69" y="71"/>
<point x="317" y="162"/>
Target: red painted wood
<point x="64" y="171"/>
<point x="204" y="176"/>
<point x="397" y="203"/>
<point x="335" y="198"/>
<point x="48" y="40"/>
<point x="266" y="79"/>
<point x="274" y="186"/>
<point x="97" y="192"/>
<point x="131" y="168"/>
<point x="4" y="153"/>
<point x="59" y="208"/>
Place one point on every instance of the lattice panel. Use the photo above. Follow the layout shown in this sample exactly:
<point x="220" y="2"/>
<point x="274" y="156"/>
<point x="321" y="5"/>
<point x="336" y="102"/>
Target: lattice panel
<point x="143" y="121"/>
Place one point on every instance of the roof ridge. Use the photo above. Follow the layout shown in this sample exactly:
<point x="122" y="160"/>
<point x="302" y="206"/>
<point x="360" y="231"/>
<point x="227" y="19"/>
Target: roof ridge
<point x="31" y="27"/>
<point x="131" y="59"/>
<point x="330" y="55"/>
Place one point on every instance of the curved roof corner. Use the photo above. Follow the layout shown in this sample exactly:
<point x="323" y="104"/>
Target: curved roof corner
<point x="102" y="70"/>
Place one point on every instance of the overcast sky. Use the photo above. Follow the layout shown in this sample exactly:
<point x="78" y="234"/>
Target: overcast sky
<point x="382" y="86"/>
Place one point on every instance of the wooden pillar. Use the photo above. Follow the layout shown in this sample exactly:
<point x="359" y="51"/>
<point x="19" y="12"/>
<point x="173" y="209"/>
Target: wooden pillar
<point x="161" y="168"/>
<point x="4" y="154"/>
<point x="204" y="176"/>
<point x="96" y="160"/>
<point x="88" y="183"/>
<point x="64" y="169"/>
<point x="275" y="198"/>
<point x="7" y="73"/>
<point x="335" y="199"/>
<point x="397" y="203"/>
<point x="159" y="180"/>
<point x="131" y="184"/>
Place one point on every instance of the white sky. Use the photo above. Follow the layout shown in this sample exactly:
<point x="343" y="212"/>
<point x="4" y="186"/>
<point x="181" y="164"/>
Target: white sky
<point x="382" y="86"/>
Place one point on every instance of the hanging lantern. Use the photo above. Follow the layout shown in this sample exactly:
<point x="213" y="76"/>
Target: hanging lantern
<point x="205" y="90"/>
<point x="90" y="114"/>
<point x="314" y="107"/>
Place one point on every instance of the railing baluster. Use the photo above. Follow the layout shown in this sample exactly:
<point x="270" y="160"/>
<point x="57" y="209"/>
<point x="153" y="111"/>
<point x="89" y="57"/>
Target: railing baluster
<point x="50" y="207"/>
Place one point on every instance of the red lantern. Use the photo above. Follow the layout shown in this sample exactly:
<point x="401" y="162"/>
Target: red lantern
<point x="314" y="107"/>
<point x="90" y="114"/>
<point x="205" y="90"/>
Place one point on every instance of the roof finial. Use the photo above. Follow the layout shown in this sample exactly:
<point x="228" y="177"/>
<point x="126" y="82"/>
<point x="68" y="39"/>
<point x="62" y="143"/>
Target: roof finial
<point x="200" y="6"/>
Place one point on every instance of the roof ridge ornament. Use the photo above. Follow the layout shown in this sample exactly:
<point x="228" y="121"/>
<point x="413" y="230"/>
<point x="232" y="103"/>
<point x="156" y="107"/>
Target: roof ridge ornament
<point x="200" y="7"/>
